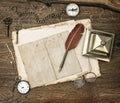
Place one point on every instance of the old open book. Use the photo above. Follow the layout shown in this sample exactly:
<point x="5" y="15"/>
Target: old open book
<point x="40" y="51"/>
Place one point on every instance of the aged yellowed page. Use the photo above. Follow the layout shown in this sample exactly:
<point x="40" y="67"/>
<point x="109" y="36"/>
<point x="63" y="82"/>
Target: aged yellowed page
<point x="42" y="59"/>
<point x="55" y="46"/>
<point x="51" y="40"/>
<point x="37" y="63"/>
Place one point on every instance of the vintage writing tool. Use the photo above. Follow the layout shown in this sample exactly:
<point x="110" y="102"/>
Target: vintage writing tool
<point x="99" y="45"/>
<point x="72" y="41"/>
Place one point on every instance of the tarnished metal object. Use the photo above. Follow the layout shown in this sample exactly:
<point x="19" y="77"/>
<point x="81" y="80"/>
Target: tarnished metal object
<point x="18" y="26"/>
<point x="98" y="44"/>
<point x="7" y="21"/>
<point x="89" y="77"/>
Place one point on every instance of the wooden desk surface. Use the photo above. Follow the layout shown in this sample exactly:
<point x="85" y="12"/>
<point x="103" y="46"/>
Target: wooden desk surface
<point x="106" y="89"/>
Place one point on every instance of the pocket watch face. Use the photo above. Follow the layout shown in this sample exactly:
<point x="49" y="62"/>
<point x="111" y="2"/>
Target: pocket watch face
<point x="72" y="9"/>
<point x="23" y="87"/>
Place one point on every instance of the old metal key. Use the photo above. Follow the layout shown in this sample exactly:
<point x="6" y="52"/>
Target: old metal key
<point x="8" y="22"/>
<point x="17" y="28"/>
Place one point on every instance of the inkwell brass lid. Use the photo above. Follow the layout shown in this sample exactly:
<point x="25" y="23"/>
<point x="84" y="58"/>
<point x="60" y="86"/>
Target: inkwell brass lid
<point x="98" y="44"/>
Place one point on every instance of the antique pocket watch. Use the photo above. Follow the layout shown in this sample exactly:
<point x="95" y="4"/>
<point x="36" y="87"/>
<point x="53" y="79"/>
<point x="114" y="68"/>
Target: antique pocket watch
<point x="23" y="87"/>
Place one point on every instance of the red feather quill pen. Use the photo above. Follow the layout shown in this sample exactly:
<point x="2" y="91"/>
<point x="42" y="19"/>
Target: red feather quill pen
<point x="72" y="41"/>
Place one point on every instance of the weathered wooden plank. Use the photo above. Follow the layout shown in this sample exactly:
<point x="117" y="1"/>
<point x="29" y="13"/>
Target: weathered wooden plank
<point x="104" y="90"/>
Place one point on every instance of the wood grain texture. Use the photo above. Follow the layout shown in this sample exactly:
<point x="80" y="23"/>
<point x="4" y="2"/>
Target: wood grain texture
<point x="109" y="4"/>
<point x="106" y="89"/>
